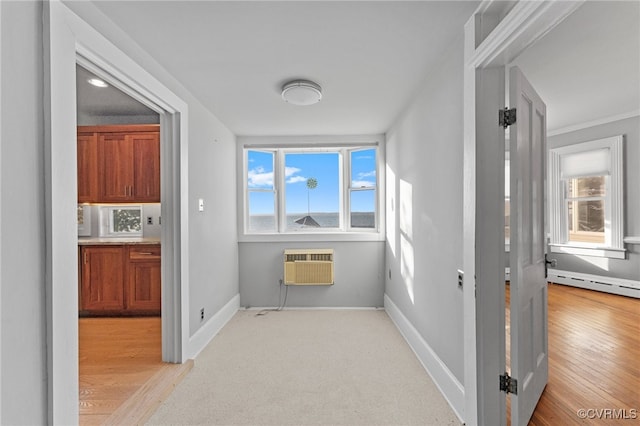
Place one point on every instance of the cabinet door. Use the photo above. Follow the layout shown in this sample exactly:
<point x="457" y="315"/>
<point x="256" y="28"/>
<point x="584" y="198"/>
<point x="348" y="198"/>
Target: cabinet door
<point x="116" y="153"/>
<point x="146" y="166"/>
<point x="102" y="286"/>
<point x="87" y="168"/>
<point x="144" y="291"/>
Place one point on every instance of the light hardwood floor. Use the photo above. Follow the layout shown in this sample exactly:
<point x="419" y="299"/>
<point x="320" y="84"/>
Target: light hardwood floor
<point x="594" y="359"/>
<point x="117" y="357"/>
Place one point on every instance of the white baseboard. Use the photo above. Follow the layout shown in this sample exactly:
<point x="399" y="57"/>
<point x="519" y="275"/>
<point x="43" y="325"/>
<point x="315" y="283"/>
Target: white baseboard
<point x="449" y="386"/>
<point x="208" y="331"/>
<point x="314" y="308"/>
<point x="619" y="286"/>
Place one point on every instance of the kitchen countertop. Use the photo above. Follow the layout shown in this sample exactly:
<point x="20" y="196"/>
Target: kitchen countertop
<point x="91" y="241"/>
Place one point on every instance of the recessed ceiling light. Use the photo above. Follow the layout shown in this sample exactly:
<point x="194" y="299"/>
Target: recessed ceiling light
<point x="302" y="92"/>
<point x="97" y="82"/>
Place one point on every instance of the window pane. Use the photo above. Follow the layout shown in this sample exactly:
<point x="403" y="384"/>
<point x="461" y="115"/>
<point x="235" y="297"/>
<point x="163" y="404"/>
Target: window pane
<point x="262" y="211"/>
<point x="260" y="169"/>
<point x="127" y="220"/>
<point x="363" y="168"/>
<point x="586" y="187"/>
<point x="363" y="208"/>
<point x="312" y="190"/>
<point x="586" y="221"/>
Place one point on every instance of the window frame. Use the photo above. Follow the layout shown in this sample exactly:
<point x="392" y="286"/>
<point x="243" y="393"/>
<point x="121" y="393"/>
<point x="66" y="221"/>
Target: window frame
<point x="281" y="146"/>
<point x="613" y="246"/>
<point x="107" y="221"/>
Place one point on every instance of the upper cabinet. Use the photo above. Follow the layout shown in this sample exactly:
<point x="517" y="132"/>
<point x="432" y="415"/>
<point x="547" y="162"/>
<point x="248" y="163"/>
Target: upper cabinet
<point x="119" y="164"/>
<point x="88" y="189"/>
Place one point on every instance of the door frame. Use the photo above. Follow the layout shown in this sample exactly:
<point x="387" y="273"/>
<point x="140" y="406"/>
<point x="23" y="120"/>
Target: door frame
<point x="494" y="37"/>
<point x="69" y="40"/>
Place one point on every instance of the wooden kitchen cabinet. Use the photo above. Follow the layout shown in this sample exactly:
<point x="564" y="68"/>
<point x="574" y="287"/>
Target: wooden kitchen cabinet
<point x="144" y="278"/>
<point x="120" y="280"/>
<point x="102" y="280"/>
<point x="128" y="163"/>
<point x="88" y="190"/>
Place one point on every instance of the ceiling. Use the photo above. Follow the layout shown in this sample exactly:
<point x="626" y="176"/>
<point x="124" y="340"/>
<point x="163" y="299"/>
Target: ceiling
<point x="588" y="67"/>
<point x="95" y="101"/>
<point x="369" y="57"/>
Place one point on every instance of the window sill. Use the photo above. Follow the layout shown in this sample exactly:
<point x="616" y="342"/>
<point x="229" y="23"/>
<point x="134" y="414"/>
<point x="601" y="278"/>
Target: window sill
<point x="610" y="252"/>
<point x="312" y="236"/>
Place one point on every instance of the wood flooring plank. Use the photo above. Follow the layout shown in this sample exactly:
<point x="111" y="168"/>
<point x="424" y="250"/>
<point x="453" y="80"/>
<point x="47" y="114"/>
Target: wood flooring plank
<point x="117" y="357"/>
<point x="594" y="357"/>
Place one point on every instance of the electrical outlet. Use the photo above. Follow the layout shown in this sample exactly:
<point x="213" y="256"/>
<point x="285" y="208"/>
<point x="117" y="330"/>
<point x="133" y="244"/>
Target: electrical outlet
<point x="202" y="314"/>
<point x="149" y="220"/>
<point x="200" y="204"/>
<point x="460" y="278"/>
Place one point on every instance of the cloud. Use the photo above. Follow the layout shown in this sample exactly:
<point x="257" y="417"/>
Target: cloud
<point x="362" y="183"/>
<point x="296" y="179"/>
<point x="366" y="174"/>
<point x="288" y="171"/>
<point x="259" y="178"/>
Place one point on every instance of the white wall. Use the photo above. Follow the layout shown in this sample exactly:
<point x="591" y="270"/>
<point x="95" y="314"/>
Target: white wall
<point x="358" y="273"/>
<point x="23" y="368"/>
<point x="628" y="268"/>
<point x="424" y="211"/>
<point x="213" y="267"/>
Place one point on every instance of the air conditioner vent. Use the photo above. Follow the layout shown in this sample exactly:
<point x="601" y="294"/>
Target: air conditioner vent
<point x="308" y="267"/>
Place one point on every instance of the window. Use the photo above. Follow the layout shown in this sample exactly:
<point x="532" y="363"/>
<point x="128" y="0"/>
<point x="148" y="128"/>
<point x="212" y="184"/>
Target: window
<point x="121" y="221"/>
<point x="293" y="190"/>
<point x="586" y="199"/>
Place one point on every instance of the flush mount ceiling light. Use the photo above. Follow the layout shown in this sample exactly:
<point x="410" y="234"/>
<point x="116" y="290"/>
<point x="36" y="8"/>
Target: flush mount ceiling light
<point x="97" y="82"/>
<point x="302" y="92"/>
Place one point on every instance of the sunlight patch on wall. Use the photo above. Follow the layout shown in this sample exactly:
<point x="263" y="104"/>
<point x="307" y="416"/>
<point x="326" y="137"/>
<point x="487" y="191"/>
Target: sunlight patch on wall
<point x="391" y="210"/>
<point x="406" y="209"/>
<point x="600" y="262"/>
<point x="407" y="266"/>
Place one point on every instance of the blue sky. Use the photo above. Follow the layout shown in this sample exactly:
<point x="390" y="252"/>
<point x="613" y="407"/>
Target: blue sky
<point x="299" y="167"/>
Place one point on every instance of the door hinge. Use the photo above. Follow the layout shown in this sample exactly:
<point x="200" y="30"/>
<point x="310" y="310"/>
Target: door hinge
<point x="508" y="385"/>
<point x="506" y="117"/>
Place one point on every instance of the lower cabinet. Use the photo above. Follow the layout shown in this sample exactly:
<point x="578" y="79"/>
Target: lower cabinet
<point x="144" y="278"/>
<point x="120" y="280"/>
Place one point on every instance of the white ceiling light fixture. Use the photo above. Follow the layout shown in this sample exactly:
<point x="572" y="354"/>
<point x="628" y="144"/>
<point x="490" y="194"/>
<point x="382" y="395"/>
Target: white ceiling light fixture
<point x="302" y="92"/>
<point x="97" y="82"/>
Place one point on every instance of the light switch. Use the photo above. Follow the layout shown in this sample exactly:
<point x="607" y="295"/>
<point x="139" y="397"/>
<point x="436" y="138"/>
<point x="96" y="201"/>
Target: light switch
<point x="200" y="205"/>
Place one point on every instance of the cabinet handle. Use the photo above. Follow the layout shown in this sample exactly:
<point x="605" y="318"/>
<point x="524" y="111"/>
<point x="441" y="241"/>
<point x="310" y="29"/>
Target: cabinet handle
<point x="147" y="253"/>
<point x="85" y="257"/>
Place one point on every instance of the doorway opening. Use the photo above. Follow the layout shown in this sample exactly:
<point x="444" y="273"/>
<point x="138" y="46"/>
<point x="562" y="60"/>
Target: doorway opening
<point x="119" y="246"/>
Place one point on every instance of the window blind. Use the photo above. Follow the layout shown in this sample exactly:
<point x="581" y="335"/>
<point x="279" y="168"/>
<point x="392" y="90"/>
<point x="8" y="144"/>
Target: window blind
<point x="586" y="163"/>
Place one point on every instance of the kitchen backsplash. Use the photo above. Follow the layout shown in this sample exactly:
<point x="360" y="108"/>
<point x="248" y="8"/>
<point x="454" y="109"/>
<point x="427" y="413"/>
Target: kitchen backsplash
<point x="91" y="225"/>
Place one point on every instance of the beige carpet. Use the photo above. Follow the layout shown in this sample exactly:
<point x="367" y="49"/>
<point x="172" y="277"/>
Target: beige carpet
<point x="307" y="367"/>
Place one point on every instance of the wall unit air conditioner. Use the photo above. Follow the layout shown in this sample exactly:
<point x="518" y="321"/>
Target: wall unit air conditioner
<point x="308" y="267"/>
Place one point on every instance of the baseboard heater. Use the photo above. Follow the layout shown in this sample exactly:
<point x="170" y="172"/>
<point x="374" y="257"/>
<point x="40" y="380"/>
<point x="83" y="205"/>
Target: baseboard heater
<point x="308" y="267"/>
<point x="630" y="288"/>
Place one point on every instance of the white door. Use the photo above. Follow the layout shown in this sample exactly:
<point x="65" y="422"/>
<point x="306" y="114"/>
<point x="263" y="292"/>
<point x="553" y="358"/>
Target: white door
<point x="529" y="354"/>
